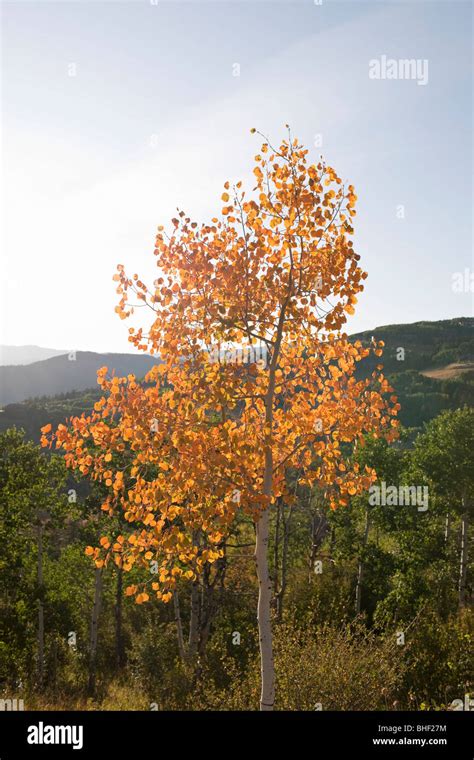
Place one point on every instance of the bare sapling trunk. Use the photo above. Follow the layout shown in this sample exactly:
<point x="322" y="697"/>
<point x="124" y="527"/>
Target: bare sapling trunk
<point x="94" y="631"/>
<point x="54" y="665"/>
<point x="212" y="589"/>
<point x="179" y="626"/>
<point x="284" y="561"/>
<point x="463" y="555"/>
<point x="276" y="552"/>
<point x="319" y="531"/>
<point x="447" y="528"/>
<point x="262" y="533"/>
<point x="360" y="569"/>
<point x="40" y="663"/>
<point x="119" y="643"/>
<point x="193" y="637"/>
<point x="267" y="696"/>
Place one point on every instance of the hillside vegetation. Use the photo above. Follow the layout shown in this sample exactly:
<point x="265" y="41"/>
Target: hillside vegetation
<point x="424" y="380"/>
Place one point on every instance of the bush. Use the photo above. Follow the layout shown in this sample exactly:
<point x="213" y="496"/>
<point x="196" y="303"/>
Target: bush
<point x="439" y="664"/>
<point x="327" y="667"/>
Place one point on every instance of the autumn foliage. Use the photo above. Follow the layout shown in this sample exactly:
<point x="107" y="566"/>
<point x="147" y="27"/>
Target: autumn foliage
<point x="201" y="438"/>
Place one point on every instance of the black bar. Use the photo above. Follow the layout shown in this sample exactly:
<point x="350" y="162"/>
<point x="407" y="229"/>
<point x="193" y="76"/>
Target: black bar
<point x="155" y="734"/>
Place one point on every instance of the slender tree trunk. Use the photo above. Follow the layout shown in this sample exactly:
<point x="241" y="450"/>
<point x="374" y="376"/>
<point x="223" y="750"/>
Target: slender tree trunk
<point x="447" y="528"/>
<point x="332" y="540"/>
<point x="319" y="531"/>
<point x="463" y="557"/>
<point x="212" y="590"/>
<point x="40" y="663"/>
<point x="267" y="668"/>
<point x="360" y="569"/>
<point x="54" y="664"/>
<point x="94" y="629"/>
<point x="193" y="637"/>
<point x="284" y="562"/>
<point x="179" y="626"/>
<point x="262" y="533"/>
<point x="267" y="697"/>
<point x="207" y="609"/>
<point x="276" y="552"/>
<point x="314" y="545"/>
<point x="119" y="643"/>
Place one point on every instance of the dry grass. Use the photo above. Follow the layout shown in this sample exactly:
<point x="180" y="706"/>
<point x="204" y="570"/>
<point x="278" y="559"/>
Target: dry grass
<point x="450" y="372"/>
<point x="117" y="697"/>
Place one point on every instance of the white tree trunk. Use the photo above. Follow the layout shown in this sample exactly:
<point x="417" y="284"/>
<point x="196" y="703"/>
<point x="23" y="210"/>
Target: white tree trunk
<point x="463" y="556"/>
<point x="119" y="643"/>
<point x="179" y="626"/>
<point x="360" y="569"/>
<point x="40" y="663"/>
<point x="267" y="669"/>
<point x="94" y="630"/>
<point x="193" y="638"/>
<point x="447" y="528"/>
<point x="267" y="696"/>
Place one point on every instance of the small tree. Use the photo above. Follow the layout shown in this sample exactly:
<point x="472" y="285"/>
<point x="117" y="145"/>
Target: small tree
<point x="32" y="506"/>
<point x="256" y="378"/>
<point x="444" y="454"/>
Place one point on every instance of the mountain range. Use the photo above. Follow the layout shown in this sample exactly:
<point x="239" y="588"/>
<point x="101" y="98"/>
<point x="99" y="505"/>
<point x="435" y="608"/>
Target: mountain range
<point x="73" y="371"/>
<point x="12" y="355"/>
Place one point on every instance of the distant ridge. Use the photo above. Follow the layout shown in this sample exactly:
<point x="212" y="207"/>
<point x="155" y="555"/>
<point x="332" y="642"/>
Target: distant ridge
<point x="14" y="355"/>
<point x="63" y="374"/>
<point x="426" y="345"/>
<point x="420" y="354"/>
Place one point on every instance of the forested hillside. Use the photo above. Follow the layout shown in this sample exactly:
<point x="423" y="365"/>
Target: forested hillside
<point x="430" y="364"/>
<point x="375" y="599"/>
<point x="372" y="603"/>
<point x="427" y="348"/>
<point x="425" y="344"/>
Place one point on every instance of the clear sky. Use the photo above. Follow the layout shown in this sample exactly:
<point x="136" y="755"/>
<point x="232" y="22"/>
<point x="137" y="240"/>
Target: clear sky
<point x="154" y="118"/>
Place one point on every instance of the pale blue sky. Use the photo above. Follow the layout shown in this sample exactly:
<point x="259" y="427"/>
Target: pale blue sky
<point x="154" y="118"/>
